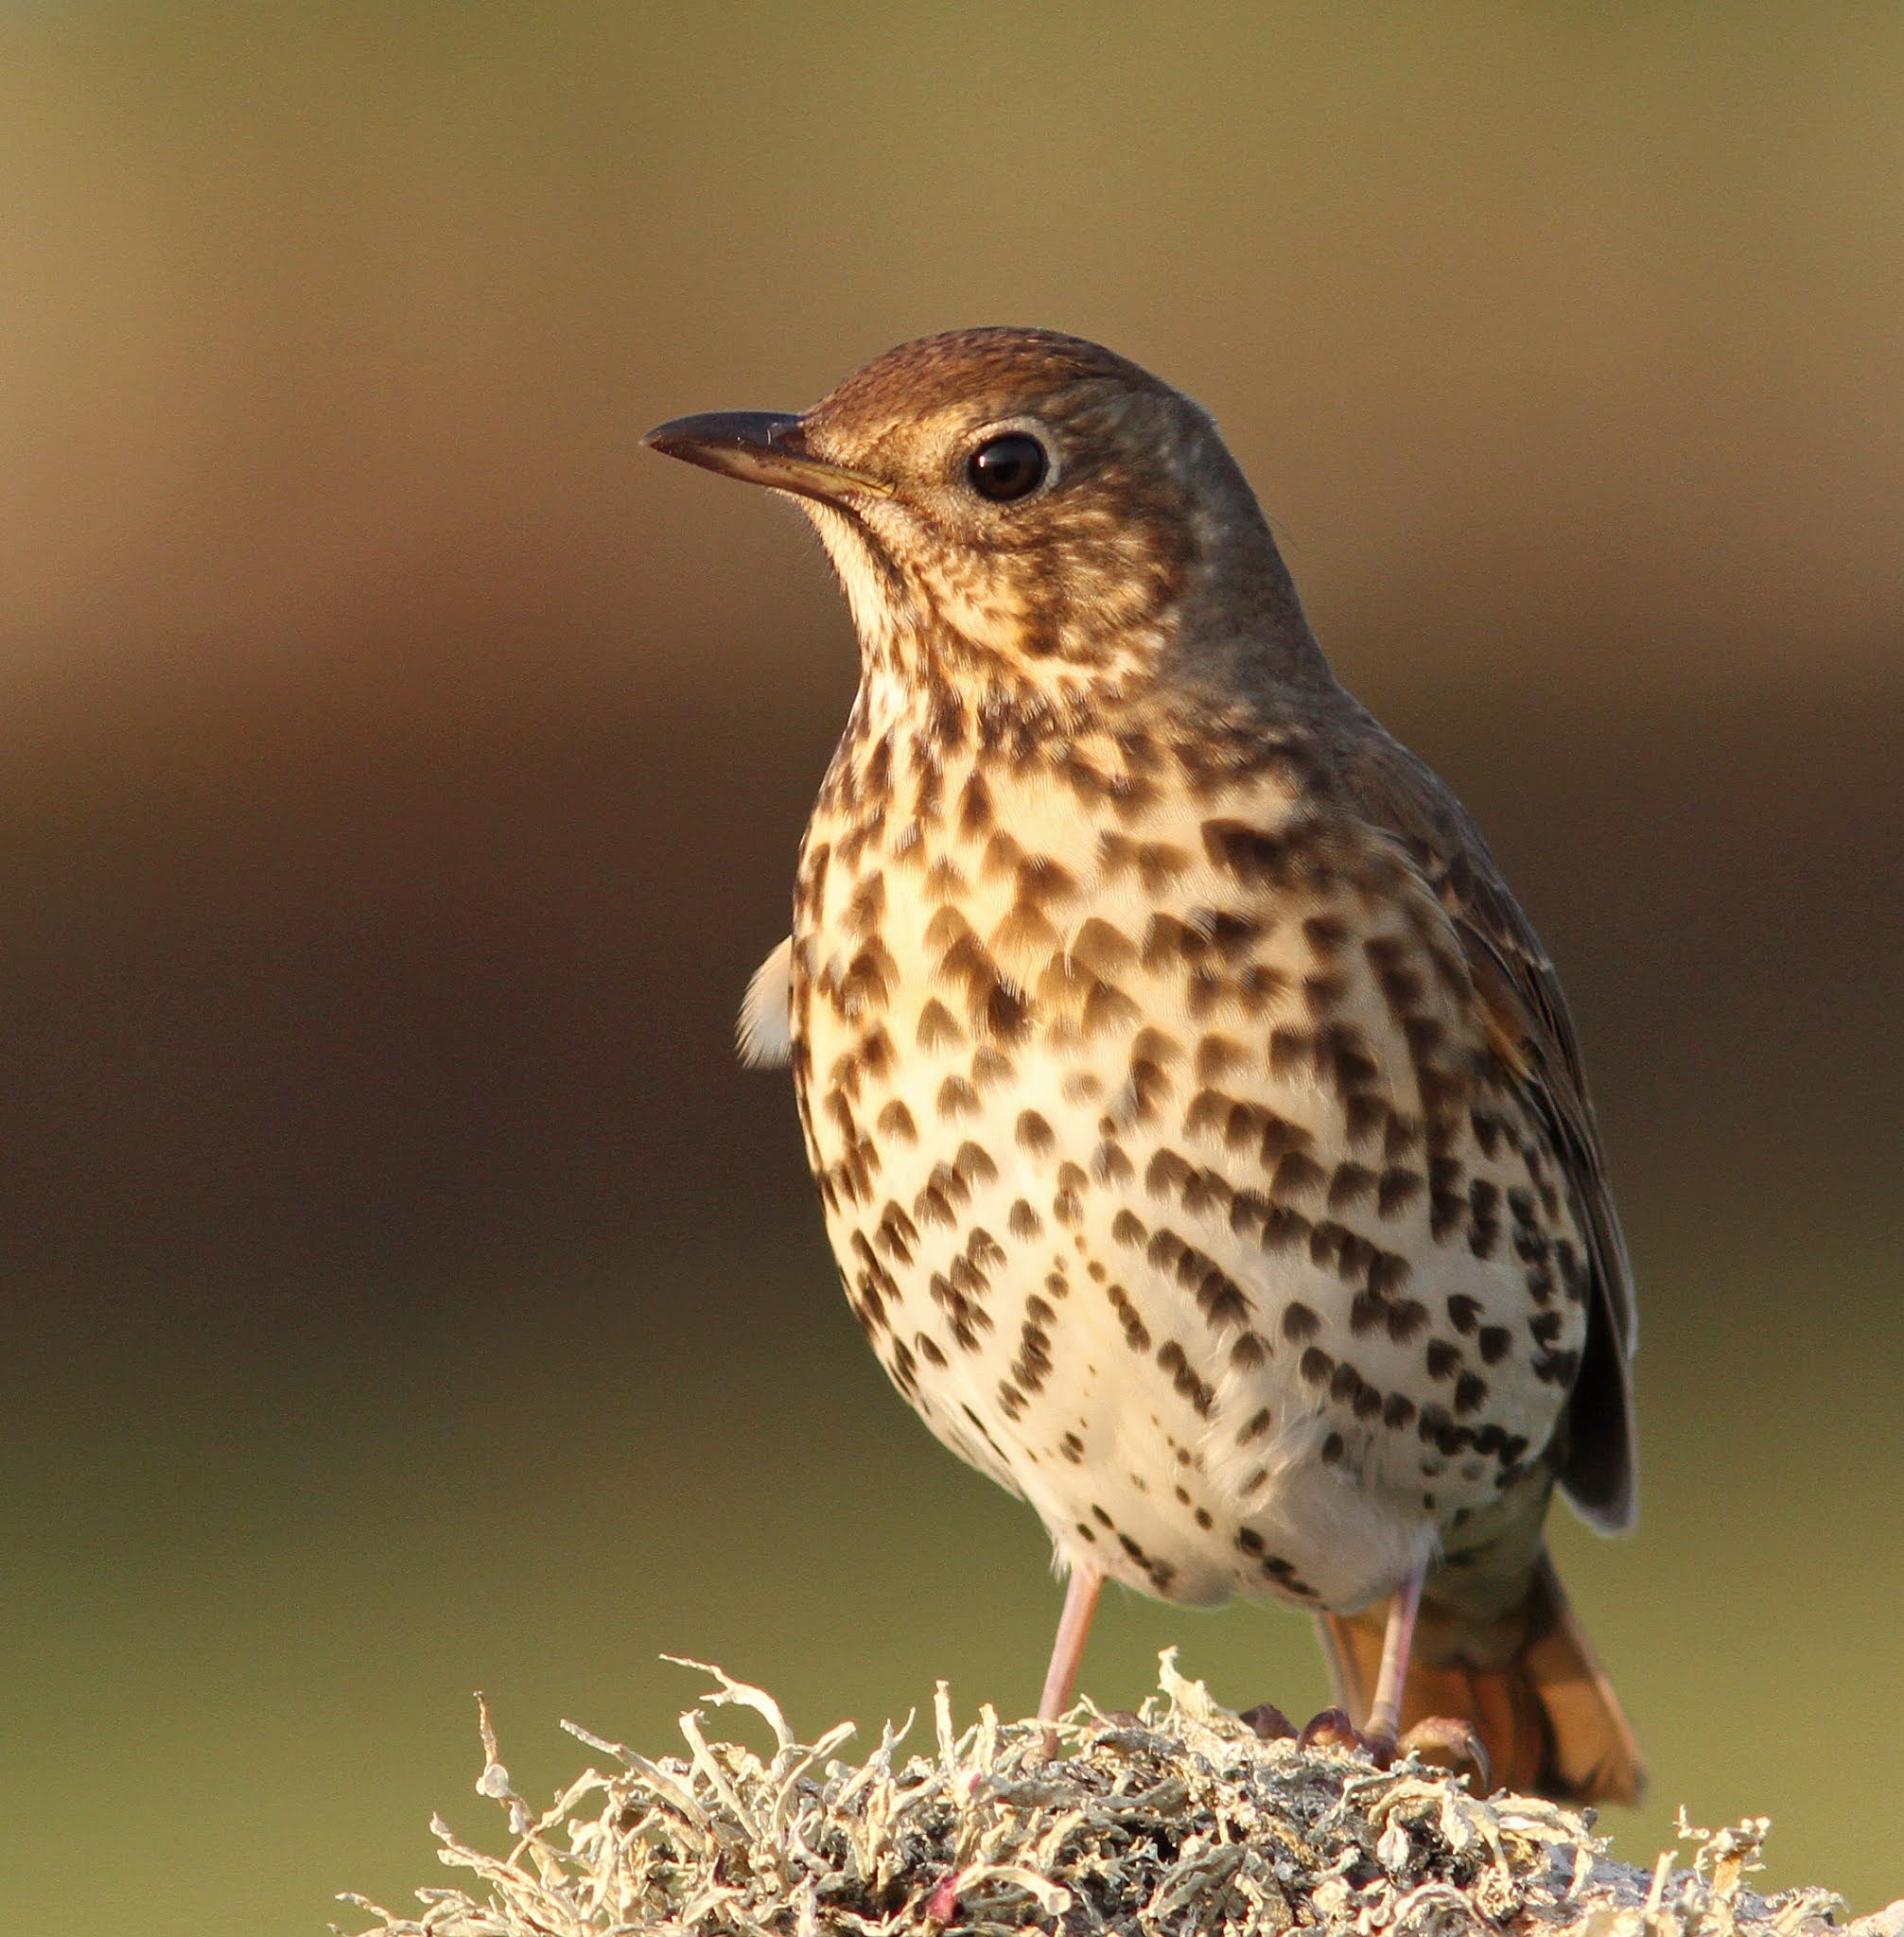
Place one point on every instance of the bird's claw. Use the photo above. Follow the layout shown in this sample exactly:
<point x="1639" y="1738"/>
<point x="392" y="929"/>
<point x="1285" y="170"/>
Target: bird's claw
<point x="1450" y="1743"/>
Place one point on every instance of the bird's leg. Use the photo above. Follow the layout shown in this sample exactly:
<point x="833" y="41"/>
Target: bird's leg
<point x="1450" y="1742"/>
<point x="1073" y="1625"/>
<point x="1379" y="1733"/>
<point x="1383" y="1725"/>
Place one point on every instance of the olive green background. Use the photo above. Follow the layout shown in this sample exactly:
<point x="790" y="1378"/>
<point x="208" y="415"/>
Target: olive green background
<point x="400" y="773"/>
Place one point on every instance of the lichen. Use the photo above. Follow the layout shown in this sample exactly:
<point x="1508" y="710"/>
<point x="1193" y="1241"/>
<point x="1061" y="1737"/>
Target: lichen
<point x="1176" y="1822"/>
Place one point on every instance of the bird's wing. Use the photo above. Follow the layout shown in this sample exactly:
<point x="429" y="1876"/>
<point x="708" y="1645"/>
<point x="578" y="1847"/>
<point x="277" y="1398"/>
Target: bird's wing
<point x="1396" y="793"/>
<point x="765" y="1032"/>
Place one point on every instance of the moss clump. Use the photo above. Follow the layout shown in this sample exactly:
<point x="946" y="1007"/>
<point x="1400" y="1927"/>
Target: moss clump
<point x="1174" y="1821"/>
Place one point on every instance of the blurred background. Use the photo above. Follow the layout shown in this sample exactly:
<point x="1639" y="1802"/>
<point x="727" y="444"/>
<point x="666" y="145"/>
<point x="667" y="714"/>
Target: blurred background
<point x="400" y="775"/>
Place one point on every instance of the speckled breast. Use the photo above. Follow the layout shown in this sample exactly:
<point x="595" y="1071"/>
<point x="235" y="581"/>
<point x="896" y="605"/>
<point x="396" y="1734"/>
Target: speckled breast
<point x="1168" y="1164"/>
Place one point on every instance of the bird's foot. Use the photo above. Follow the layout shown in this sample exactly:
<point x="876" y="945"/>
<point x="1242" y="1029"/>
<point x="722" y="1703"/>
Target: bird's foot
<point x="1333" y="1729"/>
<point x="1269" y="1722"/>
<point x="1441" y="1740"/>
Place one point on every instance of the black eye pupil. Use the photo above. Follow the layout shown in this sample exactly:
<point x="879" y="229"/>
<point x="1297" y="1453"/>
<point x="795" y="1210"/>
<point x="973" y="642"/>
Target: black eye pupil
<point x="1008" y="467"/>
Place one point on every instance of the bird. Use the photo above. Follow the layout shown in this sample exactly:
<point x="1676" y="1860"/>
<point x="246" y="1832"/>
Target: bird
<point x="1198" y="1122"/>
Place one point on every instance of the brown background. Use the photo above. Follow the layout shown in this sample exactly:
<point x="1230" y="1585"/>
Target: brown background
<point x="400" y="775"/>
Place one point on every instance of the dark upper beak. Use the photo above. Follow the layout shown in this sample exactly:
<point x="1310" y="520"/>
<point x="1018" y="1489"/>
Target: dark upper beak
<point x="760" y="447"/>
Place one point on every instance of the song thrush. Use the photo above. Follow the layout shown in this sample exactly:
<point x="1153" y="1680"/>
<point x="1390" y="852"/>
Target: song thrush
<point x="1198" y="1118"/>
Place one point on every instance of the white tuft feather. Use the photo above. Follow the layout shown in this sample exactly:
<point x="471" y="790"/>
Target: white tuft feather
<point x="765" y="1031"/>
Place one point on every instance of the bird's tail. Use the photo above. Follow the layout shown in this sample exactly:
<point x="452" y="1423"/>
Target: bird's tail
<point x="1528" y="1683"/>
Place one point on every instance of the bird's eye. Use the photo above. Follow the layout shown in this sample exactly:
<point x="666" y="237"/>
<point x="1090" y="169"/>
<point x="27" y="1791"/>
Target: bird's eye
<point x="1008" y="467"/>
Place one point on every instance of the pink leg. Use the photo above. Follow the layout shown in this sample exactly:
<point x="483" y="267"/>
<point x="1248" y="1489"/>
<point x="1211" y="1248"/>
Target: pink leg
<point x="1385" y="1711"/>
<point x="1080" y="1603"/>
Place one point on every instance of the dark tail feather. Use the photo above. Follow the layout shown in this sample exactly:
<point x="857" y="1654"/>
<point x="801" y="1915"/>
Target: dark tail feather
<point x="1545" y="1711"/>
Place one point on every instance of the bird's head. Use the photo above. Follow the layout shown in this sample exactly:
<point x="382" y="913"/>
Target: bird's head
<point x="1025" y="515"/>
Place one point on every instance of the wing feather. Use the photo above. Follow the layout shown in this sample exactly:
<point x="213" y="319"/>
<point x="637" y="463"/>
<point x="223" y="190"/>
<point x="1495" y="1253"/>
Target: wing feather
<point x="1402" y="797"/>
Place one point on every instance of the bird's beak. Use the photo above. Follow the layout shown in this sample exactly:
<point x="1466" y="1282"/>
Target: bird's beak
<point x="762" y="447"/>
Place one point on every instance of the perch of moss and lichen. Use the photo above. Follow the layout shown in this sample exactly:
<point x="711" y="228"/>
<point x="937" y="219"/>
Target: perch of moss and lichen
<point x="1178" y="1821"/>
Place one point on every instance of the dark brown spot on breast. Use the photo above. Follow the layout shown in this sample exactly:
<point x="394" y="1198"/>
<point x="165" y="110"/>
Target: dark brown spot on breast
<point x="1108" y="1008"/>
<point x="1136" y="1334"/>
<point x="1349" y="1185"/>
<point x="1109" y="1165"/>
<point x="1556" y="1367"/>
<point x="1387" y="1273"/>
<point x="1102" y="949"/>
<point x="1002" y="856"/>
<point x="973" y="1165"/>
<point x="1206" y="1189"/>
<point x="1173" y="1359"/>
<point x="1297" y="1175"/>
<point x="1217" y="1056"/>
<point x="936" y="1025"/>
<point x="1004" y="1011"/>
<point x="975" y="811"/>
<point x="1166" y="1174"/>
<point x="989" y="1067"/>
<point x="897" y="1233"/>
<point x="1035" y="1134"/>
<point x="867" y="904"/>
<point x="945" y="879"/>
<point x="1397" y="1189"/>
<point x="1325" y="934"/>
<point x="1284" y="1229"/>
<point x="868" y="979"/>
<point x="948" y="1182"/>
<point x="1033" y="1364"/>
<point x="1323" y="993"/>
<point x="1291" y="1050"/>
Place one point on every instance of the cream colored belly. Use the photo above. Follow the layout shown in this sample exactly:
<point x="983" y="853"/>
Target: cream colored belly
<point x="1123" y="1247"/>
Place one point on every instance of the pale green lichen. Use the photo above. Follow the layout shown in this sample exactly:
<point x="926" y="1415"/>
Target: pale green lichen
<point x="1176" y="1822"/>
